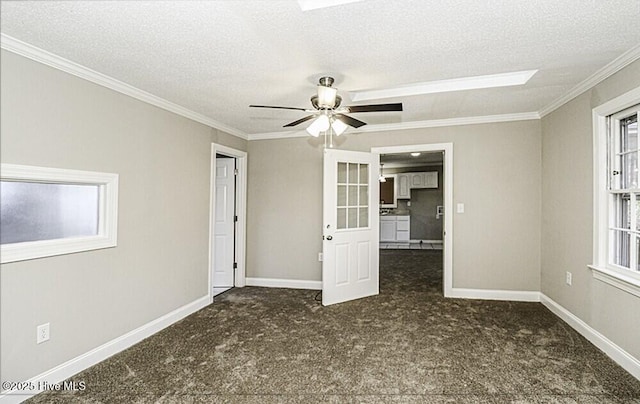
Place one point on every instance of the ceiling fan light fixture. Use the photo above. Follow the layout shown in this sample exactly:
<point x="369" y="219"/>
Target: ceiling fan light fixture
<point x="327" y="96"/>
<point x="321" y="124"/>
<point x="338" y="127"/>
<point x="415" y="154"/>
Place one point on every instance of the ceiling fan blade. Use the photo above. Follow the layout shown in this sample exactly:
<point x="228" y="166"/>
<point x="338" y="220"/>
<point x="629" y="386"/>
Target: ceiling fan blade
<point x="376" y="107"/>
<point x="299" y="121"/>
<point x="271" y="106"/>
<point x="350" y="121"/>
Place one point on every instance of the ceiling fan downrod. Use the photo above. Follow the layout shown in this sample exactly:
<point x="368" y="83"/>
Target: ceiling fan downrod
<point x="326" y="81"/>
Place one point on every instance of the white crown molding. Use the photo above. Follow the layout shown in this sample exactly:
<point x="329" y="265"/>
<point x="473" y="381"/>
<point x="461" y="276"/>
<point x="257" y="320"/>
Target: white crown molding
<point x="607" y="71"/>
<point x="434" y="123"/>
<point x="40" y="55"/>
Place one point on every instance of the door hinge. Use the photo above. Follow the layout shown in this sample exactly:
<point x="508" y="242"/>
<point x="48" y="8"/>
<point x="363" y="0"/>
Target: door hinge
<point x="235" y="265"/>
<point x="235" y="171"/>
<point x="235" y="218"/>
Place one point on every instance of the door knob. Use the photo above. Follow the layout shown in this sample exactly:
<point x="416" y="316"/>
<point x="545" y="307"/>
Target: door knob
<point x="329" y="238"/>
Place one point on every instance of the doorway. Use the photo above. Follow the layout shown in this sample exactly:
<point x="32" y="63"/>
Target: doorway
<point x="227" y="228"/>
<point x="411" y="200"/>
<point x="424" y="180"/>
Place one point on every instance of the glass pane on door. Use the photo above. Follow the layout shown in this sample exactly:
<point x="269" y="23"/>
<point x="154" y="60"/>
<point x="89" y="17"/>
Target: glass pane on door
<point x="353" y="195"/>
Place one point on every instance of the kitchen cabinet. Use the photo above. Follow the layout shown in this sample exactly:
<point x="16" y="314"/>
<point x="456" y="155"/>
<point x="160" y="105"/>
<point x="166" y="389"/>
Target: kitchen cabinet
<point x="409" y="181"/>
<point x="404" y="189"/>
<point x="387" y="228"/>
<point x="394" y="228"/>
<point x="402" y="228"/>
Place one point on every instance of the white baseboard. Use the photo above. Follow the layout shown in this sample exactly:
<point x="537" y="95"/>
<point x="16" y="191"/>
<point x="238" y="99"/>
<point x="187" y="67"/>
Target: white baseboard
<point x="284" y="283"/>
<point x="488" y="294"/>
<point x="619" y="355"/>
<point x="88" y="359"/>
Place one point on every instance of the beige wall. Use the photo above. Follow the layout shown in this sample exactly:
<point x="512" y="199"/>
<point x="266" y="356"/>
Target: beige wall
<point x="497" y="170"/>
<point x="567" y="213"/>
<point x="53" y="119"/>
<point x="520" y="182"/>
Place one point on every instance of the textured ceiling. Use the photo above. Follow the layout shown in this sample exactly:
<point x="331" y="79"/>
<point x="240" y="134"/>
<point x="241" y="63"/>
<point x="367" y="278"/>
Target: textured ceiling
<point x="217" y="57"/>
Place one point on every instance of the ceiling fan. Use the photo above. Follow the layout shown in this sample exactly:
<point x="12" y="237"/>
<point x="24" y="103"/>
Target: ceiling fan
<point x="329" y="114"/>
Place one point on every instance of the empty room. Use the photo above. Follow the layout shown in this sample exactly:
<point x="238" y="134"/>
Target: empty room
<point x="320" y="201"/>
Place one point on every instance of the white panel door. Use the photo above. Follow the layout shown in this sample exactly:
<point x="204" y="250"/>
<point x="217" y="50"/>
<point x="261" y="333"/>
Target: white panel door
<point x="350" y="226"/>
<point x="224" y="232"/>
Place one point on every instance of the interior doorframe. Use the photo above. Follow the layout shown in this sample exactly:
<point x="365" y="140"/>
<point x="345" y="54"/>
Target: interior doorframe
<point x="447" y="167"/>
<point x="241" y="211"/>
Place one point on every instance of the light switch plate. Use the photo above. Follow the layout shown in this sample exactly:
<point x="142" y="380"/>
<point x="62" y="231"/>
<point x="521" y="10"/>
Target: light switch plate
<point x="460" y="208"/>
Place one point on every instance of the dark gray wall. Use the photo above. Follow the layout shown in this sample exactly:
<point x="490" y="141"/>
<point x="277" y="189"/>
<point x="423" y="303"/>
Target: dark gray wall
<point x="424" y="225"/>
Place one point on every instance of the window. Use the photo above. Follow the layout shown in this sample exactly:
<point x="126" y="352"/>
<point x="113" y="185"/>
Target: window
<point x="624" y="222"/>
<point x="617" y="193"/>
<point x="46" y="211"/>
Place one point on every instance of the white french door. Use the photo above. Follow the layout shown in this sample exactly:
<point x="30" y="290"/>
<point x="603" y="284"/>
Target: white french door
<point x="350" y="226"/>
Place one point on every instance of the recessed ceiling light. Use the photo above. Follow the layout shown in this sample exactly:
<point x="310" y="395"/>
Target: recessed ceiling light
<point x="415" y="154"/>
<point x="307" y="5"/>
<point x="442" y="86"/>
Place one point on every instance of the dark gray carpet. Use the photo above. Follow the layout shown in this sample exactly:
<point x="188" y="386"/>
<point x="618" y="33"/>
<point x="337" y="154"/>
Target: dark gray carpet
<point x="407" y="345"/>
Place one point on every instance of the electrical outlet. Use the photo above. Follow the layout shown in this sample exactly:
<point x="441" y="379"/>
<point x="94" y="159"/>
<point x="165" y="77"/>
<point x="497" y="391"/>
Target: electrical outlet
<point x="569" y="278"/>
<point x="42" y="333"/>
<point x="320" y="257"/>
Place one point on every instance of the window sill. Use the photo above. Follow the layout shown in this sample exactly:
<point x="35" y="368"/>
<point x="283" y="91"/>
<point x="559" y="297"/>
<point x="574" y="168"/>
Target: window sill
<point x="50" y="248"/>
<point x="625" y="282"/>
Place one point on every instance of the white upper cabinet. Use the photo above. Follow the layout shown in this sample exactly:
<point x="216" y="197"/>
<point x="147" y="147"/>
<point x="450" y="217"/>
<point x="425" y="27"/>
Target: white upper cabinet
<point x="431" y="179"/>
<point x="409" y="181"/>
<point x="404" y="186"/>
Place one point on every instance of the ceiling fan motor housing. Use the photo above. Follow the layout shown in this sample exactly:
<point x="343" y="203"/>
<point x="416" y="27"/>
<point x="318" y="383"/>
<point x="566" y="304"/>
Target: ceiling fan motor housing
<point x="316" y="104"/>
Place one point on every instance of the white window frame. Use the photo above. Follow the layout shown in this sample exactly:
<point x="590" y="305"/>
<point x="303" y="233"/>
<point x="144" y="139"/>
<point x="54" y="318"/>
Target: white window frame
<point x="602" y="268"/>
<point x="107" y="216"/>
